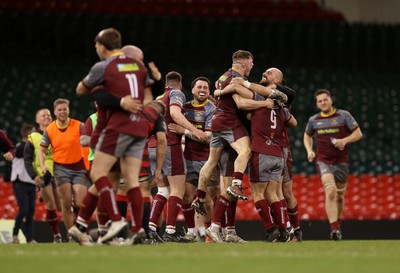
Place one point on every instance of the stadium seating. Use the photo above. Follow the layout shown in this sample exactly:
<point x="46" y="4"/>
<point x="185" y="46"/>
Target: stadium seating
<point x="368" y="197"/>
<point x="283" y="9"/>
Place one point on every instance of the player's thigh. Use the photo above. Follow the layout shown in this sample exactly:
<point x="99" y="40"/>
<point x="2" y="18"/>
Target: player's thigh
<point x="241" y="145"/>
<point x="130" y="167"/>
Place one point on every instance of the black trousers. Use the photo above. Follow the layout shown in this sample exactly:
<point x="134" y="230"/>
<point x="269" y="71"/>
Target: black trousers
<point x="25" y="193"/>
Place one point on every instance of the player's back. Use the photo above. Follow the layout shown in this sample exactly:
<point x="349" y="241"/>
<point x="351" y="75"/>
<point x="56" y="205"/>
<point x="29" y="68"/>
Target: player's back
<point x="268" y="127"/>
<point x="125" y="76"/>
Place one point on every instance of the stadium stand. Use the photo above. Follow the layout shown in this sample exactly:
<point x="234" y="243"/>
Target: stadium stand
<point x="291" y="10"/>
<point x="370" y="197"/>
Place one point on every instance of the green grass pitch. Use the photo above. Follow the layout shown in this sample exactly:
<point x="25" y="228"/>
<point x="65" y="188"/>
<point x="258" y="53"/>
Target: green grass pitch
<point x="308" y="257"/>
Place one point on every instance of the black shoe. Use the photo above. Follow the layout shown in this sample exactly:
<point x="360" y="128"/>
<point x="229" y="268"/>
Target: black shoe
<point x="297" y="236"/>
<point x="175" y="238"/>
<point x="284" y="235"/>
<point x="336" y="235"/>
<point x="199" y="206"/>
<point x="272" y="236"/>
<point x="155" y="237"/>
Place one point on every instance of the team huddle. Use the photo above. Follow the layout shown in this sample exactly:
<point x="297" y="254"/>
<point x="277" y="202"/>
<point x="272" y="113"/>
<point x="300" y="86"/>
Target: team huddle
<point x="195" y="153"/>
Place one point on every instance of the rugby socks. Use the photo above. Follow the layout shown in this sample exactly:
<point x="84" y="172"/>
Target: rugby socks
<point x="285" y="212"/>
<point x="102" y="215"/>
<point x="264" y="211"/>
<point x="335" y="225"/>
<point x="156" y="210"/>
<point x="238" y="175"/>
<point x="188" y="212"/>
<point x="231" y="214"/>
<point x="201" y="194"/>
<point x="294" y="217"/>
<point x="88" y="206"/>
<point x="107" y="197"/>
<point x="174" y="204"/>
<point x="51" y="217"/>
<point x="135" y="204"/>
<point x="220" y="208"/>
<point x="277" y="213"/>
<point x="146" y="214"/>
<point x="237" y="179"/>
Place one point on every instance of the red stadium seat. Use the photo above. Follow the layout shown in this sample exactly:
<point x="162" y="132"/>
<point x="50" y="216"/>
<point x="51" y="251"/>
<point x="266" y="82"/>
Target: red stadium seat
<point x="367" y="197"/>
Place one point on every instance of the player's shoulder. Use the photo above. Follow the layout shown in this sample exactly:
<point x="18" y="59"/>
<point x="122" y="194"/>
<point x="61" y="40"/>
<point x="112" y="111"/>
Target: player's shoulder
<point x="314" y="117"/>
<point x="188" y="104"/>
<point x="210" y="105"/>
<point x="226" y="76"/>
<point x="177" y="92"/>
<point x="343" y="112"/>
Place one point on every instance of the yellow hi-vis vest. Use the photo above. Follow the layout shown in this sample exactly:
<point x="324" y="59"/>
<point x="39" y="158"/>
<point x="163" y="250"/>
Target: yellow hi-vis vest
<point x="35" y="138"/>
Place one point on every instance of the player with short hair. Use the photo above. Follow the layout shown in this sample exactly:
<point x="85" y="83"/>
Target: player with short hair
<point x="123" y="137"/>
<point x="63" y="135"/>
<point x="174" y="165"/>
<point x="334" y="129"/>
<point x="199" y="112"/>
<point x="46" y="184"/>
<point x="227" y="129"/>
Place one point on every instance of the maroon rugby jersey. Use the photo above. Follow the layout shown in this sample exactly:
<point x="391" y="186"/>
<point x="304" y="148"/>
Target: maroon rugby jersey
<point x="267" y="130"/>
<point x="226" y="114"/>
<point x="121" y="76"/>
<point x="338" y="125"/>
<point x="169" y="98"/>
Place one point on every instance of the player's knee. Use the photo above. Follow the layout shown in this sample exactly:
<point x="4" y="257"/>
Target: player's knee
<point x="247" y="152"/>
<point x="340" y="194"/>
<point x="330" y="190"/>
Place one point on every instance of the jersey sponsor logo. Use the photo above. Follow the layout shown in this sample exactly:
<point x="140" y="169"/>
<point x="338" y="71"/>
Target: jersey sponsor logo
<point x="223" y="78"/>
<point x="128" y="67"/>
<point x="199" y="117"/>
<point x="269" y="142"/>
<point x="328" y="131"/>
<point x="160" y="96"/>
